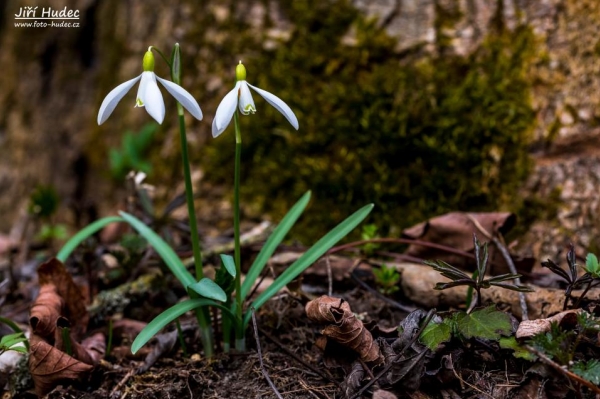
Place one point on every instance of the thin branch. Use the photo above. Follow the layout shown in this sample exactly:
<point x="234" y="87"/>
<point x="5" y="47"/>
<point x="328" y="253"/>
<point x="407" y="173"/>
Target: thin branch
<point x="329" y="276"/>
<point x="572" y="376"/>
<point x="262" y="366"/>
<point x="397" y="305"/>
<point x="298" y="358"/>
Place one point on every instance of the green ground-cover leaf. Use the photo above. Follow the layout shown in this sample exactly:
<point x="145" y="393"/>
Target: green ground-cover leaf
<point x="589" y="370"/>
<point x="487" y="323"/>
<point x="436" y="334"/>
<point x="518" y="350"/>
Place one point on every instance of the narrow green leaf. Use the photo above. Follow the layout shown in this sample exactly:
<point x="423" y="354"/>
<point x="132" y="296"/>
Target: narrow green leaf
<point x="273" y="242"/>
<point x="208" y="289"/>
<point x="20" y="349"/>
<point x="162" y="248"/>
<point x="514" y="287"/>
<point x="443" y="286"/>
<point x="503" y="277"/>
<point x="171" y="314"/>
<point x="311" y="256"/>
<point x="228" y="264"/>
<point x="83" y="234"/>
<point x="15" y="328"/>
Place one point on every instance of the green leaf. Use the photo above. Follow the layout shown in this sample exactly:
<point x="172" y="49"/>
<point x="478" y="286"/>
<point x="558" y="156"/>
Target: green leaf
<point x="273" y="242"/>
<point x="83" y="234"/>
<point x="162" y="248"/>
<point x="208" y="289"/>
<point x="518" y="351"/>
<point x="435" y="334"/>
<point x="448" y="270"/>
<point x="311" y="256"/>
<point x="487" y="323"/>
<point x="589" y="370"/>
<point x="171" y="314"/>
<point x="591" y="264"/>
<point x="228" y="264"/>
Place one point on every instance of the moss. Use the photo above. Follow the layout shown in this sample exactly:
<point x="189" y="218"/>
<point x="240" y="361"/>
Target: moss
<point x="418" y="138"/>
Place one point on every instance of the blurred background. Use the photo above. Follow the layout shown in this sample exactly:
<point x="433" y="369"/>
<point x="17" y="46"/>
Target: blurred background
<point x="420" y="106"/>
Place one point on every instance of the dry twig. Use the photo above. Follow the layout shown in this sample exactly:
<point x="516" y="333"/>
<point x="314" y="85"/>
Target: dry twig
<point x="262" y="366"/>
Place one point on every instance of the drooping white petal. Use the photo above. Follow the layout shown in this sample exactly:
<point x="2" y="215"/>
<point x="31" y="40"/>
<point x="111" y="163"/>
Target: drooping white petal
<point x="225" y="111"/>
<point x="113" y="98"/>
<point x="149" y="96"/>
<point x="279" y="105"/>
<point x="183" y="97"/>
<point x="246" y="103"/>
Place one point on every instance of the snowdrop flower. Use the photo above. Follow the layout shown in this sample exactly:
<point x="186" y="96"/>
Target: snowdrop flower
<point x="148" y="94"/>
<point x="241" y="97"/>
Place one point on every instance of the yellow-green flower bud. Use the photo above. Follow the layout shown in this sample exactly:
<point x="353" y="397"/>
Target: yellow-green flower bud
<point x="148" y="63"/>
<point x="240" y="72"/>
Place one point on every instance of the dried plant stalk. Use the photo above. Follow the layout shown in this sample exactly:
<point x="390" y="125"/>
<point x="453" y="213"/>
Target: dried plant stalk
<point x="344" y="327"/>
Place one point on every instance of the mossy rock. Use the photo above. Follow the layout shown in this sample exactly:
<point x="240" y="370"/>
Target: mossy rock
<point x="416" y="135"/>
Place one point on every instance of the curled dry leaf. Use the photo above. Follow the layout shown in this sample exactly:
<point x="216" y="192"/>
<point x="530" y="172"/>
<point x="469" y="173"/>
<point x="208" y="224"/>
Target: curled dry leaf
<point x="54" y="272"/>
<point x="45" y="312"/>
<point x="344" y="327"/>
<point x="60" y="307"/>
<point x="529" y="328"/>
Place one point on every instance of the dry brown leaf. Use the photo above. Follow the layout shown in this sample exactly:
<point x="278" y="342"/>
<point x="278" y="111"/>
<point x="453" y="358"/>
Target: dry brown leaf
<point x="45" y="311"/>
<point x="455" y="230"/>
<point x="50" y="366"/>
<point x="344" y="327"/>
<point x="60" y="307"/>
<point x="529" y="328"/>
<point x="54" y="272"/>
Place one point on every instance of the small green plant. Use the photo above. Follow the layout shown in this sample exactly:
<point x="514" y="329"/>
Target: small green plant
<point x="11" y="342"/>
<point x="369" y="232"/>
<point x="132" y="154"/>
<point x="564" y="346"/>
<point x="478" y="280"/>
<point x="387" y="279"/>
<point x="590" y="279"/>
<point x="51" y="232"/>
<point x="487" y="323"/>
<point x="43" y="204"/>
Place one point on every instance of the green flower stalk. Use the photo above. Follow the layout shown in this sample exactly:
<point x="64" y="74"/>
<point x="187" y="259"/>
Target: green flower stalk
<point x="241" y="98"/>
<point x="150" y="97"/>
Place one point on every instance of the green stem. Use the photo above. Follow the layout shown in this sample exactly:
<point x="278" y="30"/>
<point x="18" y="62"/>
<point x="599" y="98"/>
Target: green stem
<point x="201" y="314"/>
<point x="189" y="194"/>
<point x="239" y="333"/>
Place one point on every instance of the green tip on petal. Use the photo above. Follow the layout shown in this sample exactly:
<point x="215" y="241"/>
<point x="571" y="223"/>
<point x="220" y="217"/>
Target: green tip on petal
<point x="240" y="72"/>
<point x="148" y="63"/>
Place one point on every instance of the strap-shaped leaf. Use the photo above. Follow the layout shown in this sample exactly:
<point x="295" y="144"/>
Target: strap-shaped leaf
<point x="274" y="240"/>
<point x="228" y="264"/>
<point x="171" y="314"/>
<point x="162" y="248"/>
<point x="83" y="234"/>
<point x="311" y="256"/>
<point x="208" y="289"/>
<point x="447" y="270"/>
